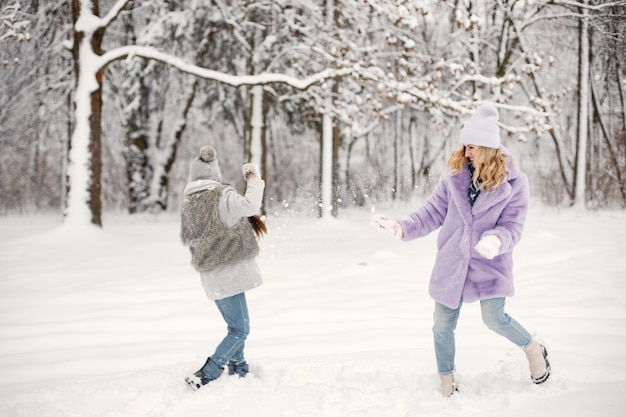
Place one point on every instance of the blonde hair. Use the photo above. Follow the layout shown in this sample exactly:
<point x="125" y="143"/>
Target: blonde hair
<point x="490" y="165"/>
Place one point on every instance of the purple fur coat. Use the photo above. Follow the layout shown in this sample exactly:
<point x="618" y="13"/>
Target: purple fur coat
<point x="459" y="271"/>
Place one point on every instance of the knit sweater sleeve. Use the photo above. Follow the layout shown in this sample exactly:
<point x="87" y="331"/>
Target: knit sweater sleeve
<point x="234" y="206"/>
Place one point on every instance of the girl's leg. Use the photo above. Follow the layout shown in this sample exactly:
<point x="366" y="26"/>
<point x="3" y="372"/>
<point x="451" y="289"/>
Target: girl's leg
<point x="234" y="310"/>
<point x="443" y="331"/>
<point x="500" y="322"/>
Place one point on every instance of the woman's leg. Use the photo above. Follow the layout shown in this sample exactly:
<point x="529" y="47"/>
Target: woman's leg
<point x="445" y="320"/>
<point x="234" y="310"/>
<point x="500" y="322"/>
<point x="497" y="320"/>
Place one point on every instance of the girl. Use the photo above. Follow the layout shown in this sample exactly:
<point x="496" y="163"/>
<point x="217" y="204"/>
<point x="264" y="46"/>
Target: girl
<point x="221" y="227"/>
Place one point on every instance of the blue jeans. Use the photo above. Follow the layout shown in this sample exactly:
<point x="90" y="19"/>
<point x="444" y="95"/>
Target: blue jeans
<point x="234" y="310"/>
<point x="493" y="316"/>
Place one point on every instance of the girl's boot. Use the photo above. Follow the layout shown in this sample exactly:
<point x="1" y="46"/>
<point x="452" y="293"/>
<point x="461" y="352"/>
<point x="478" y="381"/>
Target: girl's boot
<point x="199" y="378"/>
<point x="240" y="368"/>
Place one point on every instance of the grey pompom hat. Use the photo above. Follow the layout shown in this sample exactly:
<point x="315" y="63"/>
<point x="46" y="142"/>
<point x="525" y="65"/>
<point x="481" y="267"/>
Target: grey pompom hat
<point x="205" y="166"/>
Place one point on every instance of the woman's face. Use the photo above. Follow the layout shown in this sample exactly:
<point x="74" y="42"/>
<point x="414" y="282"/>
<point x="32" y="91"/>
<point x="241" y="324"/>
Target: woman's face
<point x="470" y="152"/>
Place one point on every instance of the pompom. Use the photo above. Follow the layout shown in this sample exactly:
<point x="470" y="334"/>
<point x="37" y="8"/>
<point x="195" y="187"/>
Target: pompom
<point x="207" y="153"/>
<point x="487" y="112"/>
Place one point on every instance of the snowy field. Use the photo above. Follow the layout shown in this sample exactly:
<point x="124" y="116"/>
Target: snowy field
<point x="108" y="323"/>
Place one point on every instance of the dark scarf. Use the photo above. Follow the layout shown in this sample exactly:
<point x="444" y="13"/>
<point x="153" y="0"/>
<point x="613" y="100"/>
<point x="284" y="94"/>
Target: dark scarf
<point x="473" y="190"/>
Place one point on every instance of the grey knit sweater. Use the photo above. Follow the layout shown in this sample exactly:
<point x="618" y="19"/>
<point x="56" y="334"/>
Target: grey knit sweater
<point x="221" y="240"/>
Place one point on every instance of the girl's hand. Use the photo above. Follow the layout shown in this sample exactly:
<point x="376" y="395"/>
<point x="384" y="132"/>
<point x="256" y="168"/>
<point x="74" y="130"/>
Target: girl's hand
<point x="249" y="170"/>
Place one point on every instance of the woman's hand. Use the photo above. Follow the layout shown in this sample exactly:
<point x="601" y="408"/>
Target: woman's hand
<point x="384" y="223"/>
<point x="488" y="247"/>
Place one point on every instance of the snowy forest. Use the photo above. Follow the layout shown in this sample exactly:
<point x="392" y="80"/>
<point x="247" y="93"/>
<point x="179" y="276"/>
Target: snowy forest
<point x="350" y="108"/>
<point x="340" y="102"/>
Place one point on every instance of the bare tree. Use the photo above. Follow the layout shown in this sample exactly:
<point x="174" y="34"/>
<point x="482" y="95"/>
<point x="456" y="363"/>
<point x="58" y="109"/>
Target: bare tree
<point x="36" y="85"/>
<point x="387" y="74"/>
<point x="89" y="64"/>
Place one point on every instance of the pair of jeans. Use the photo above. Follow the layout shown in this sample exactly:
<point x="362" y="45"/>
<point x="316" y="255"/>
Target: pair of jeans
<point x="495" y="319"/>
<point x="234" y="310"/>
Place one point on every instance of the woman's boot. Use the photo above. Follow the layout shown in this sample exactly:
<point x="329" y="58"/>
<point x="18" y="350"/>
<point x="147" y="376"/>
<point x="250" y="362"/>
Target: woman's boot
<point x="537" y="356"/>
<point x="448" y="386"/>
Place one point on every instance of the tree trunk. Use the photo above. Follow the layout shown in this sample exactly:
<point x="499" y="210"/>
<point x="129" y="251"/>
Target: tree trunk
<point x="609" y="144"/>
<point x="326" y="165"/>
<point x="335" y="175"/>
<point x="256" y="125"/>
<point x="396" y="155"/>
<point x="621" y="84"/>
<point x="413" y="138"/>
<point x="580" y="165"/>
<point x="327" y="140"/>
<point x="264" y="145"/>
<point x="162" y="197"/>
<point x="95" y="147"/>
<point x="84" y="190"/>
<point x="258" y="132"/>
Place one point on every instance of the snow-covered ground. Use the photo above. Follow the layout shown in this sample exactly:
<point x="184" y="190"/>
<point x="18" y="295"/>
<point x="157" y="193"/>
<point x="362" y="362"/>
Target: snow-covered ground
<point x="109" y="322"/>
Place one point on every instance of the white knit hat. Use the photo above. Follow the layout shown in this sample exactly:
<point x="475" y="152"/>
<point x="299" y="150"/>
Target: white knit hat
<point x="206" y="166"/>
<point x="482" y="129"/>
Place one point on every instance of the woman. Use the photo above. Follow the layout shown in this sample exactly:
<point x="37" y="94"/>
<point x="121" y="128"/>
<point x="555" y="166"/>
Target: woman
<point x="221" y="227"/>
<point x="480" y="203"/>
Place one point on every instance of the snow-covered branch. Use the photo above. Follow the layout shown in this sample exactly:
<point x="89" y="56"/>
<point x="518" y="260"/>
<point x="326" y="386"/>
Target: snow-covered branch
<point x="15" y="28"/>
<point x="114" y="12"/>
<point x="233" y="80"/>
<point x="578" y="4"/>
<point x="230" y="21"/>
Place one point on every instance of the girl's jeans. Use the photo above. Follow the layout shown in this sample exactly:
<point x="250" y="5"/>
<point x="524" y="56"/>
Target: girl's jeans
<point x="493" y="316"/>
<point x="235" y="313"/>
